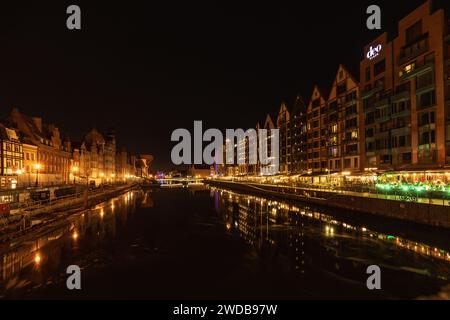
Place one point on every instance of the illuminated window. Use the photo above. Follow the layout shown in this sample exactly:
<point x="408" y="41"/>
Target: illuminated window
<point x="334" y="128"/>
<point x="354" y="134"/>
<point x="408" y="68"/>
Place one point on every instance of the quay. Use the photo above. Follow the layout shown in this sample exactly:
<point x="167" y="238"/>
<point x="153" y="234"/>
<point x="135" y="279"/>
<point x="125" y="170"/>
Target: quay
<point x="433" y="212"/>
<point x="39" y="213"/>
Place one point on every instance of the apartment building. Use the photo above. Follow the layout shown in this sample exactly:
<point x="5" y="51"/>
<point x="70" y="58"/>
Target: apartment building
<point x="284" y="125"/>
<point x="11" y="157"/>
<point x="317" y="133"/>
<point x="343" y="139"/>
<point x="299" y="137"/>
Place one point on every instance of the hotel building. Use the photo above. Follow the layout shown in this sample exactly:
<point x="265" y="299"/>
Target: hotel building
<point x="406" y="94"/>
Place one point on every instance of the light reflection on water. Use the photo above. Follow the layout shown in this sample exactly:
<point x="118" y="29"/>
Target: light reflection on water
<point x="313" y="240"/>
<point x="21" y="262"/>
<point x="297" y="240"/>
<point x="281" y="213"/>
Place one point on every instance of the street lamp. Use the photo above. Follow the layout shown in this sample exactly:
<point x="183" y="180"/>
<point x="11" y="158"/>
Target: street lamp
<point x="37" y="167"/>
<point x="74" y="171"/>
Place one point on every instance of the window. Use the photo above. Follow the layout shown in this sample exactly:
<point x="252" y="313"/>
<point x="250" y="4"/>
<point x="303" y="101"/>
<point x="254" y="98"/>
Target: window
<point x="341" y="88"/>
<point x="407" y="69"/>
<point x="427" y="99"/>
<point x="351" y="96"/>
<point x="425" y="138"/>
<point x="347" y="163"/>
<point x="369" y="133"/>
<point x="351" y="110"/>
<point x="379" y="67"/>
<point x="355" y="163"/>
<point x="316" y="103"/>
<point x="402" y="141"/>
<point x="334" y="152"/>
<point x="406" y="157"/>
<point x="333" y="105"/>
<point x="386" y="158"/>
<point x="334" y="128"/>
<point x="401" y="106"/>
<point x="414" y="32"/>
<point x="333" y="140"/>
<point x="351" y="149"/>
<point x="351" y="123"/>
<point x="424" y="80"/>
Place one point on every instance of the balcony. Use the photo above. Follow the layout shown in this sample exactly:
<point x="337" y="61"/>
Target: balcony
<point x="405" y="113"/>
<point x="403" y="95"/>
<point x="427" y="127"/>
<point x="383" y="118"/>
<point x="382" y="103"/>
<point x="401" y="131"/>
<point x="419" y="69"/>
<point x="412" y="50"/>
<point x="375" y="89"/>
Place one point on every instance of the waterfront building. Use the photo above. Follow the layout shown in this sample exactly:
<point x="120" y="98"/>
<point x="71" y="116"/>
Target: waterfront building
<point x="284" y="125"/>
<point x="343" y="139"/>
<point x="53" y="156"/>
<point x="143" y="162"/>
<point x="299" y="135"/>
<point x="122" y="164"/>
<point x="268" y="169"/>
<point x="93" y="159"/>
<point x="11" y="157"/>
<point x="406" y="95"/>
<point x="29" y="172"/>
<point x="317" y="133"/>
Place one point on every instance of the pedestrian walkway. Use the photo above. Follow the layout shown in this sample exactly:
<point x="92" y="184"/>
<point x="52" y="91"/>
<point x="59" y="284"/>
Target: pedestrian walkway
<point x="377" y="195"/>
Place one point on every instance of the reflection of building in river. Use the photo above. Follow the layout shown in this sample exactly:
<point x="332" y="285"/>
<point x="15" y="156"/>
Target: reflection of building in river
<point x="277" y="230"/>
<point x="48" y="251"/>
<point x="261" y="224"/>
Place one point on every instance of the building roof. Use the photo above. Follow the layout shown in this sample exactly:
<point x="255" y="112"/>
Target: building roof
<point x="94" y="137"/>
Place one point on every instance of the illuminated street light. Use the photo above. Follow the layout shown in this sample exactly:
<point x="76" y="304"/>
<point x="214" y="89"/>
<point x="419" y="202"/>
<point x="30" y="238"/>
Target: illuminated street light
<point x="74" y="171"/>
<point x="37" y="167"/>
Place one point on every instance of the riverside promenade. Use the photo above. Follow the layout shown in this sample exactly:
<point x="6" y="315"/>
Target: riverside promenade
<point x="38" y="214"/>
<point x="433" y="212"/>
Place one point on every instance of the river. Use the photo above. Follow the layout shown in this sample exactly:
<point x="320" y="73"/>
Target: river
<point x="203" y="243"/>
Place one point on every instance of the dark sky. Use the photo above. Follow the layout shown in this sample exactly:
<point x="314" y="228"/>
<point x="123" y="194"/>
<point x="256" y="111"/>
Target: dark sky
<point x="146" y="68"/>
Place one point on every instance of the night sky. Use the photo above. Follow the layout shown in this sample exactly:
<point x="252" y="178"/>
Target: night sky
<point x="146" y="68"/>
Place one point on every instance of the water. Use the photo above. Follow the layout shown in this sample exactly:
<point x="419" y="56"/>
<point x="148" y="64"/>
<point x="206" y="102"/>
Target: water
<point x="207" y="243"/>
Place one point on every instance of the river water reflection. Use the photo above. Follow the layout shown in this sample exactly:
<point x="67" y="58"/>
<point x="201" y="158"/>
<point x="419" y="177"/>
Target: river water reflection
<point x="211" y="243"/>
